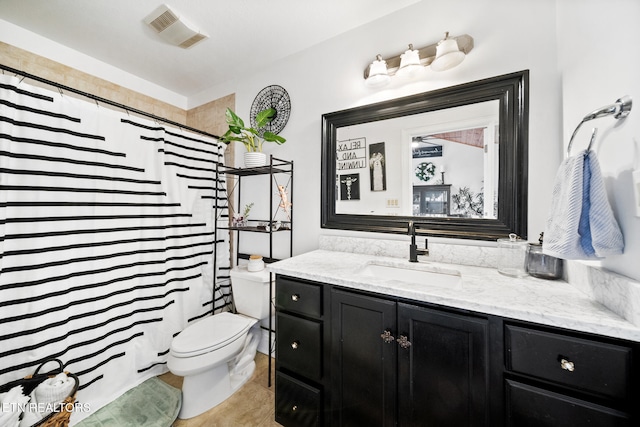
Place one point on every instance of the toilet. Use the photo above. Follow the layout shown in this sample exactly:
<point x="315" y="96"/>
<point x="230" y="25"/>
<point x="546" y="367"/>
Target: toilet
<point x="215" y="354"/>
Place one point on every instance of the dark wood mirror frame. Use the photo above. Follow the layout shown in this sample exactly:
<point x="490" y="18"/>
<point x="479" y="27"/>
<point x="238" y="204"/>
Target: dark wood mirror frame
<point x="512" y="92"/>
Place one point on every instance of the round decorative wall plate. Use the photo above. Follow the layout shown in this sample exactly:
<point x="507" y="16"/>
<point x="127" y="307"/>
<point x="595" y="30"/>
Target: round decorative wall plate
<point x="275" y="97"/>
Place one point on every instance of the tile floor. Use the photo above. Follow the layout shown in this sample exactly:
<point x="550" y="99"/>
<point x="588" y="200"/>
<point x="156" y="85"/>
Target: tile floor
<point x="251" y="406"/>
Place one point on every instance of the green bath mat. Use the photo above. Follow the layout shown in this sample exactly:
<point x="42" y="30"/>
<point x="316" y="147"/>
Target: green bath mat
<point x="153" y="403"/>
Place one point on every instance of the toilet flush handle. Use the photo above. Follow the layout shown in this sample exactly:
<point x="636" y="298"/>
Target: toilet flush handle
<point x="295" y="297"/>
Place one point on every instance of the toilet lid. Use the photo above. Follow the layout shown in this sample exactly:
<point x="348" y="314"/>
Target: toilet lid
<point x="210" y="334"/>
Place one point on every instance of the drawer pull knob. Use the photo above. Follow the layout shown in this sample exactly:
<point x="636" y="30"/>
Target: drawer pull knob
<point x="404" y="342"/>
<point x="295" y="344"/>
<point x="295" y="297"/>
<point x="567" y="365"/>
<point x="295" y="408"/>
<point x="387" y="337"/>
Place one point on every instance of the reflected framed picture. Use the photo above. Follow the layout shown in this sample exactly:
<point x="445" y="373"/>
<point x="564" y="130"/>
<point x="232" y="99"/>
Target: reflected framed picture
<point x="350" y="186"/>
<point x="377" y="167"/>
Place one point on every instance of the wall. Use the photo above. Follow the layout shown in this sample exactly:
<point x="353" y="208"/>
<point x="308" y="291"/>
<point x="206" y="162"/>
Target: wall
<point x="509" y="36"/>
<point x="210" y="117"/>
<point x="597" y="46"/>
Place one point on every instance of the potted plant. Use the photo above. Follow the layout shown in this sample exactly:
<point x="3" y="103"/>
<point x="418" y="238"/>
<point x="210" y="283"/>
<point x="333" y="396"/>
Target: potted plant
<point x="251" y="138"/>
<point x="241" y="220"/>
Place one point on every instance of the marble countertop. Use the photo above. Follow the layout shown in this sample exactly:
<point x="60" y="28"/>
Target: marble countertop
<point x="479" y="289"/>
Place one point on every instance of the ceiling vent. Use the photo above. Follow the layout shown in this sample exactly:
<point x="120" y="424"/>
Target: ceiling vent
<point x="172" y="28"/>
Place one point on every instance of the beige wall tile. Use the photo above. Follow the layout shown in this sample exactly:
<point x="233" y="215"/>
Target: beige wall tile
<point x="28" y="62"/>
<point x="209" y="117"/>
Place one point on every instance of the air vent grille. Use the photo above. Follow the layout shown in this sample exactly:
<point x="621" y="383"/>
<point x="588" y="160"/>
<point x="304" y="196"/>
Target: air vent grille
<point x="163" y="21"/>
<point x="191" y="41"/>
<point x="172" y="28"/>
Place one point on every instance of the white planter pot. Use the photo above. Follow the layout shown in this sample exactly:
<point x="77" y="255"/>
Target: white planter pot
<point x="254" y="160"/>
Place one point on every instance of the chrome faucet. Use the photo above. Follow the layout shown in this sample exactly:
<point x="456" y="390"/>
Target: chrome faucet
<point x="413" y="248"/>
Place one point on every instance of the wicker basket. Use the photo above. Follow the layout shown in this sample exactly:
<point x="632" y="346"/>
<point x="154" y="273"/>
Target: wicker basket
<point x="29" y="383"/>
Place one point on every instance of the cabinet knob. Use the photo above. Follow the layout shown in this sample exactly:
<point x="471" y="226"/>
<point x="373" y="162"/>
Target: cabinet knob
<point x="295" y="297"/>
<point x="294" y="408"/>
<point x="295" y="344"/>
<point x="404" y="342"/>
<point x="567" y="365"/>
<point x="387" y="337"/>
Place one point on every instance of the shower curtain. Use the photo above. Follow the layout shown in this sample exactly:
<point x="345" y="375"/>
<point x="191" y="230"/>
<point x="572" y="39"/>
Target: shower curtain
<point x="107" y="239"/>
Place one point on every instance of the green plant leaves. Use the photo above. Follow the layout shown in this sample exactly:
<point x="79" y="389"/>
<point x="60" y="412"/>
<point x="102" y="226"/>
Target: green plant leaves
<point x="264" y="117"/>
<point x="234" y="121"/>
<point x="249" y="136"/>
<point x="272" y="137"/>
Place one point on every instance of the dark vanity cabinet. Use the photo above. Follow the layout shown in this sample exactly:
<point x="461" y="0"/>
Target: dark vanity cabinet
<point x="557" y="379"/>
<point x="352" y="358"/>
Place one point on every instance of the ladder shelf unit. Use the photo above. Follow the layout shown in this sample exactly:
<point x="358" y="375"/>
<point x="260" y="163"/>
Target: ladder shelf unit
<point x="280" y="173"/>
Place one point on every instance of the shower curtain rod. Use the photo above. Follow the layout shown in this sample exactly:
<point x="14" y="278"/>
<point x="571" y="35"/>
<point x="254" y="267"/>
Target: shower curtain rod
<point x="103" y="100"/>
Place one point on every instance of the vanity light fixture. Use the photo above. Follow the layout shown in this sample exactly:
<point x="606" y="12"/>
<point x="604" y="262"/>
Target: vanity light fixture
<point x="409" y="62"/>
<point x="444" y="55"/>
<point x="448" y="54"/>
<point x="378" y="74"/>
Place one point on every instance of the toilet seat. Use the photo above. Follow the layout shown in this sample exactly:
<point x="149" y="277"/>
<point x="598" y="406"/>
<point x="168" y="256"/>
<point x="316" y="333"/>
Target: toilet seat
<point x="210" y="334"/>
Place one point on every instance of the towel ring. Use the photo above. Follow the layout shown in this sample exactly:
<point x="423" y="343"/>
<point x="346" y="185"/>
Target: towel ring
<point x="620" y="109"/>
<point x="594" y="132"/>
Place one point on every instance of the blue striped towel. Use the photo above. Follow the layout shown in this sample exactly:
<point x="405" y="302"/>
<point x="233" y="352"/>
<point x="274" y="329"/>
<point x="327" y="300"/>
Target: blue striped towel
<point x="581" y="224"/>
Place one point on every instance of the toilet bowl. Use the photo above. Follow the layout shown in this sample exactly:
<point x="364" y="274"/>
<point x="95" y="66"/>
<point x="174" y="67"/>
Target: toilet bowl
<point x="215" y="355"/>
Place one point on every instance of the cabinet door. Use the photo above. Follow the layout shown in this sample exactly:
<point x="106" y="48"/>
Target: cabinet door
<point x="363" y="372"/>
<point x="443" y="375"/>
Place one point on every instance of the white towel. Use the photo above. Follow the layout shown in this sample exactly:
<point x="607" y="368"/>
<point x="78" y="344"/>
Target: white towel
<point x="54" y="390"/>
<point x="581" y="224"/>
<point x="12" y="403"/>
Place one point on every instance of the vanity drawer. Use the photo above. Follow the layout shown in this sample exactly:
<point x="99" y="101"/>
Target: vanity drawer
<point x="297" y="403"/>
<point x="529" y="406"/>
<point x="299" y="345"/>
<point x="588" y="365"/>
<point x="298" y="297"/>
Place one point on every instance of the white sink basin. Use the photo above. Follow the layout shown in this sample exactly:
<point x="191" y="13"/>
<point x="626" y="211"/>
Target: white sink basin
<point x="419" y="274"/>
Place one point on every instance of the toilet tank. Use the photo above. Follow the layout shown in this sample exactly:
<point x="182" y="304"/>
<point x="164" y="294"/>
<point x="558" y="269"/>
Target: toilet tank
<point x="251" y="292"/>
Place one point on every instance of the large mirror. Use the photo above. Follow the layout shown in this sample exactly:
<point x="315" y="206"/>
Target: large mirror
<point x="453" y="160"/>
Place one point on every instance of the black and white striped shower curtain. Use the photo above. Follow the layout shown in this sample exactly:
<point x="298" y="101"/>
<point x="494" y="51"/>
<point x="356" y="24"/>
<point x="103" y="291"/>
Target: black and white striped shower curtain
<point x="107" y="239"/>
